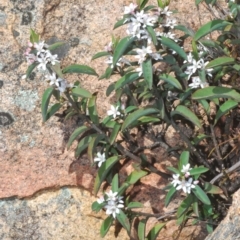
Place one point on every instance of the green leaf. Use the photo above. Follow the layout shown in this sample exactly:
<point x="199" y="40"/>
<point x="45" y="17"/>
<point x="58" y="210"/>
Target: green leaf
<point x="55" y="45"/>
<point x="121" y="48"/>
<point x="122" y="218"/>
<point x="174" y="46"/>
<point x="216" y="92"/>
<point x="93" y="145"/>
<point x="174" y="170"/>
<point x="52" y="110"/>
<point x="134" y="205"/>
<point x="184" y="159"/>
<point x="107" y="73"/>
<point x="187" y="31"/>
<point x="225" y="108"/>
<point x="81" y="92"/>
<point x="130" y="109"/>
<point x="45" y="102"/>
<point x="103" y="172"/>
<point x="75" y="134"/>
<point x="148" y="72"/>
<point x="201" y="195"/>
<point x="126" y="79"/>
<point x="141" y="229"/>
<point x="188" y="114"/>
<point x="106" y="225"/>
<point x="114" y="133"/>
<point x="57" y="69"/>
<point x="76" y="68"/>
<point x="92" y="108"/>
<point x="100" y="54"/>
<point x="198" y="170"/>
<point x="83" y="144"/>
<point x="185" y="204"/>
<point x="220" y="61"/>
<point x="110" y="89"/>
<point x="136" y="115"/>
<point x="152" y="33"/>
<point x="152" y="235"/>
<point x="171" y="80"/>
<point x="212" y="189"/>
<point x="120" y="22"/>
<point x="146" y="119"/>
<point x="195" y="206"/>
<point x="210" y="27"/>
<point x="34" y="37"/>
<point x="96" y="207"/>
<point x="115" y="182"/>
<point x="170" y="195"/>
<point x="30" y="69"/>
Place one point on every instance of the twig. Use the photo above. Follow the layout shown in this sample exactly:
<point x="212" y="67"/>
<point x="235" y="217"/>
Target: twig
<point x="159" y="216"/>
<point x="231" y="169"/>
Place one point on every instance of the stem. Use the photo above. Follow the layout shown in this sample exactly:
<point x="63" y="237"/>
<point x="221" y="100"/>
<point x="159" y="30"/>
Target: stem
<point x="159" y="216"/>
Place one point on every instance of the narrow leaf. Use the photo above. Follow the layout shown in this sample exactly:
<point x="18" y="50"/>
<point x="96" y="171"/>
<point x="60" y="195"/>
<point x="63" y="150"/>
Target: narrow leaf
<point x="152" y="235"/>
<point x="103" y="172"/>
<point x="210" y="27"/>
<point x="55" y="45"/>
<point x="106" y="225"/>
<point x="188" y="114"/>
<point x="171" y="80"/>
<point x="81" y="92"/>
<point x="100" y="54"/>
<point x="30" y="69"/>
<point x="45" y="102"/>
<point x="126" y="79"/>
<point x="220" y="61"/>
<point x="198" y="170"/>
<point x="75" y="134"/>
<point x="121" y="22"/>
<point x="114" y="133"/>
<point x="53" y="109"/>
<point x="170" y="195"/>
<point x="92" y="108"/>
<point x="212" y="189"/>
<point x="185" y="204"/>
<point x="152" y="33"/>
<point x="201" y="195"/>
<point x="122" y="218"/>
<point x="225" y="108"/>
<point x="134" y="205"/>
<point x="136" y="115"/>
<point x="216" y="92"/>
<point x="83" y="144"/>
<point x="141" y="229"/>
<point x="148" y="72"/>
<point x="76" y="68"/>
<point x="184" y="159"/>
<point x="34" y="37"/>
<point x="115" y="182"/>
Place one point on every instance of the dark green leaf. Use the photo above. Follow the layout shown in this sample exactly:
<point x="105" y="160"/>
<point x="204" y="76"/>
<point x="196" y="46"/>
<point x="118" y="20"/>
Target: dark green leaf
<point x="81" y="92"/>
<point x="152" y="33"/>
<point x="126" y="79"/>
<point x="185" y="204"/>
<point x="96" y="207"/>
<point x="76" y="68"/>
<point x="225" y="108"/>
<point x="188" y="114"/>
<point x="216" y="92"/>
<point x="121" y="48"/>
<point x="172" y="169"/>
<point x="148" y="72"/>
<point x="174" y="46"/>
<point x="93" y="145"/>
<point x="121" y="22"/>
<point x="187" y="31"/>
<point x="220" y="61"/>
<point x="201" y="195"/>
<point x="83" y="144"/>
<point x="141" y="229"/>
<point x="92" y="108"/>
<point x="75" y="134"/>
<point x="53" y="109"/>
<point x="184" y="159"/>
<point x="114" y="133"/>
<point x="152" y="235"/>
<point x="115" y="183"/>
<point x="45" y="102"/>
<point x="136" y="115"/>
<point x="106" y="225"/>
<point x="134" y="205"/>
<point x="122" y="218"/>
<point x="103" y="172"/>
<point x="100" y="54"/>
<point x="171" y="80"/>
<point x="110" y="89"/>
<point x="55" y="45"/>
<point x="198" y="170"/>
<point x="34" y="37"/>
<point x="170" y="195"/>
<point x="210" y="188"/>
<point x="57" y="69"/>
<point x="210" y="27"/>
<point x="30" y="69"/>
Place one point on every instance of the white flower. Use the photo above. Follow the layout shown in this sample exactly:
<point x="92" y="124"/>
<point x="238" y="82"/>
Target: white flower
<point x="130" y="9"/>
<point x="165" y="11"/>
<point x="171" y="23"/>
<point x="142" y="53"/>
<point x="100" y="159"/>
<point x="43" y="60"/>
<point x="113" y="111"/>
<point x="112" y="196"/>
<point x="190" y="185"/>
<point x="197" y="82"/>
<point x="189" y="58"/>
<point x="108" y="48"/>
<point x="101" y="200"/>
<point x="61" y="85"/>
<point x="186" y="169"/>
<point x="139" y="69"/>
<point x="176" y="180"/>
<point x="112" y="208"/>
<point x="156" y="56"/>
<point x="121" y="61"/>
<point x="40" y="47"/>
<point x="184" y="185"/>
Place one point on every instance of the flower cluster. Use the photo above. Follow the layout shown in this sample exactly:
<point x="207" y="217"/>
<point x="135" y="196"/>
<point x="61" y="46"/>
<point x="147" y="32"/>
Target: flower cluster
<point x="113" y="203"/>
<point x="39" y="53"/>
<point x="193" y="67"/>
<point x="185" y="183"/>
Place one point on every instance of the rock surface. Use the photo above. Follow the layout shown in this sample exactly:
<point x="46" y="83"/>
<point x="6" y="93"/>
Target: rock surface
<point x="33" y="157"/>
